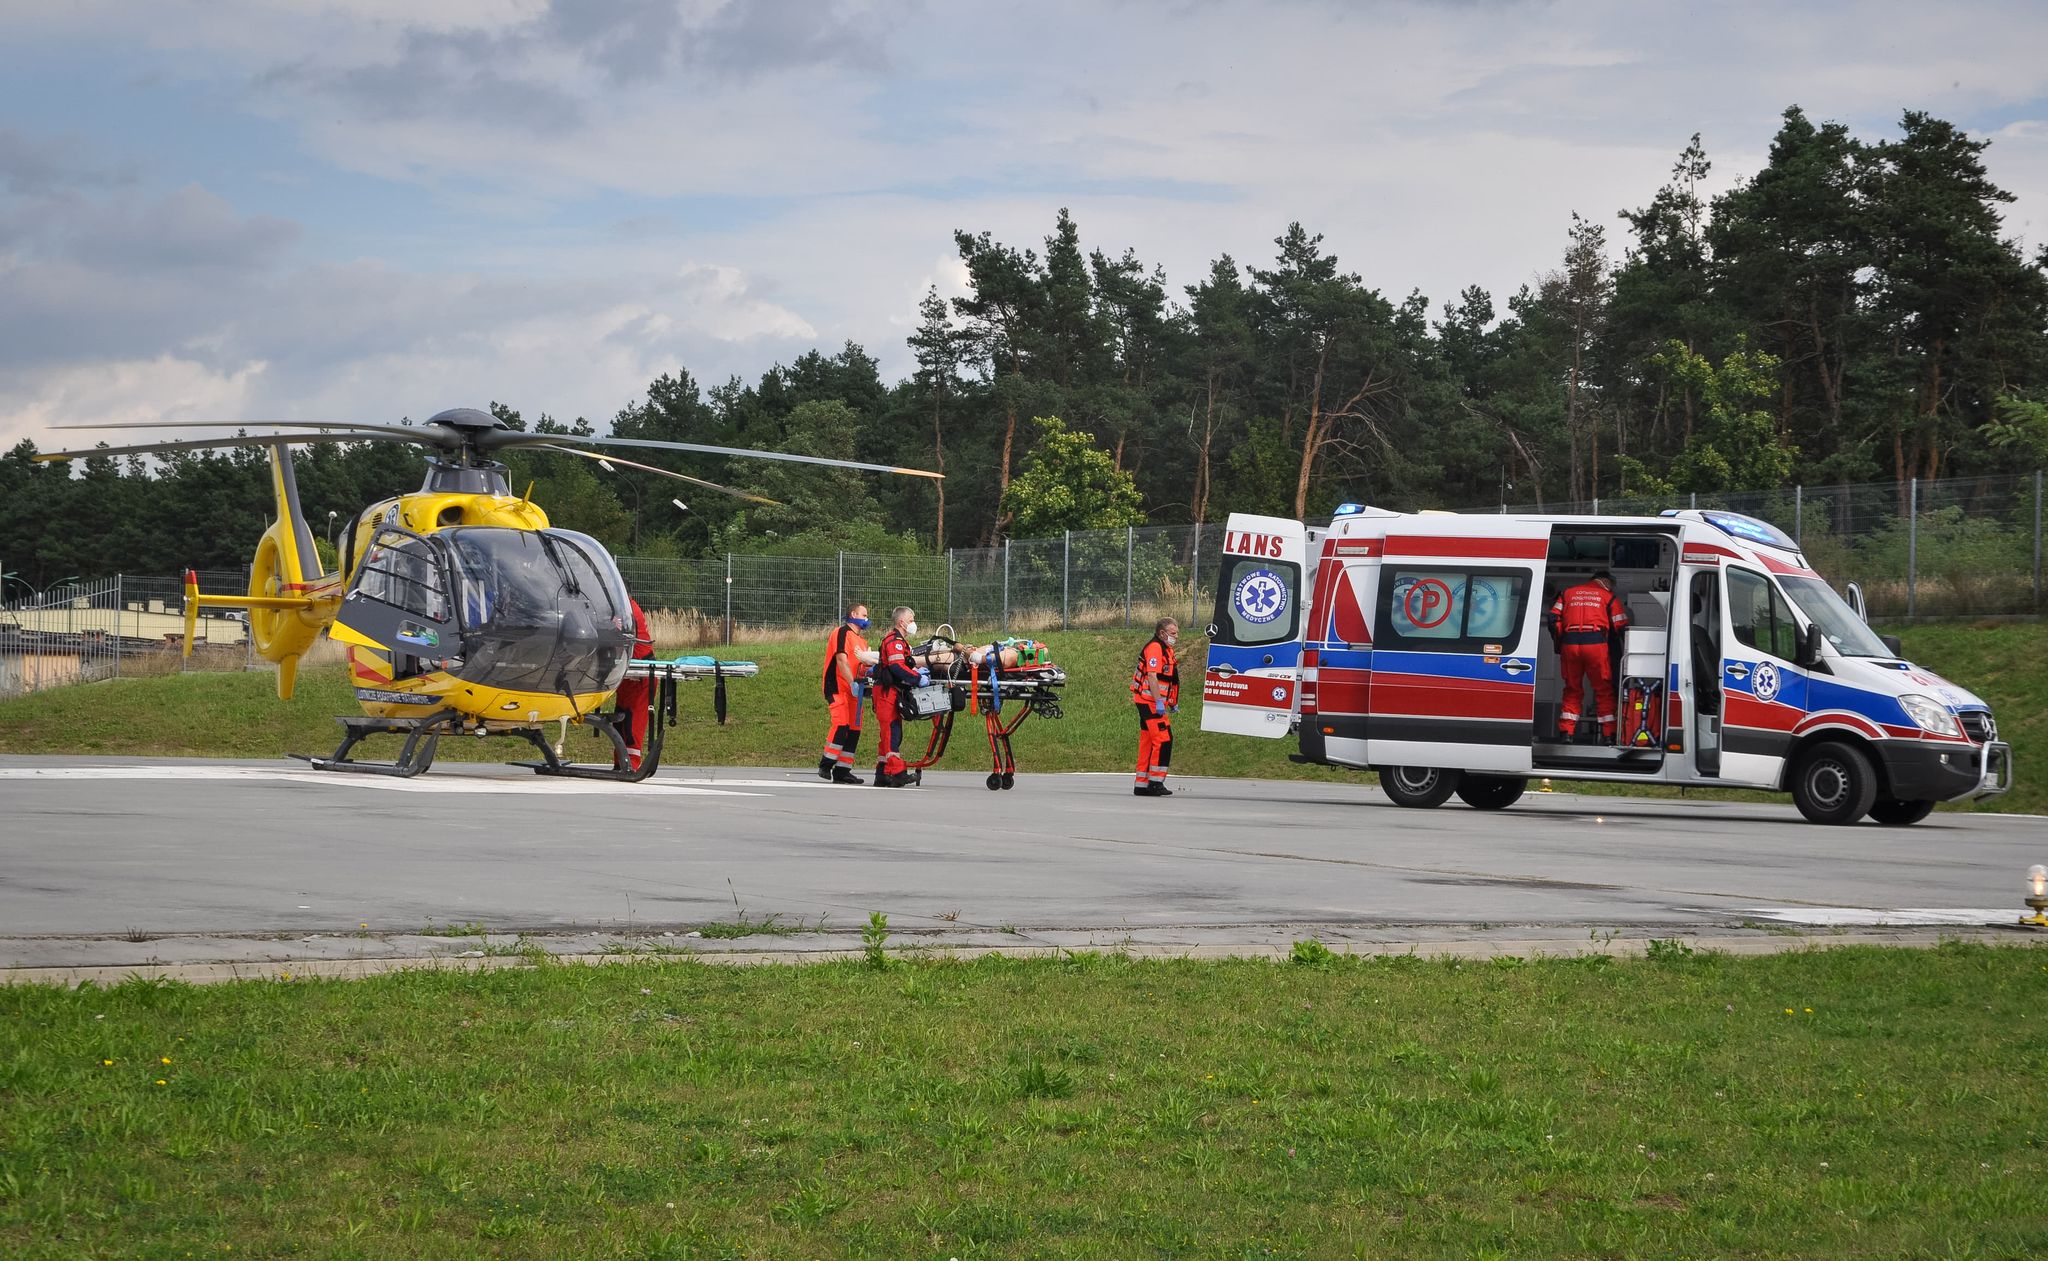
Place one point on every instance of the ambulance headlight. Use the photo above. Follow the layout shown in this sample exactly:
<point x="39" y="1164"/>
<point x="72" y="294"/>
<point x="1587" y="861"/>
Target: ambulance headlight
<point x="1931" y="714"/>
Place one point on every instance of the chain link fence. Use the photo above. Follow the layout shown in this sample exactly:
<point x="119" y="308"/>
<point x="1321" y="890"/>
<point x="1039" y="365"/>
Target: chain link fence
<point x="1961" y="547"/>
<point x="109" y="628"/>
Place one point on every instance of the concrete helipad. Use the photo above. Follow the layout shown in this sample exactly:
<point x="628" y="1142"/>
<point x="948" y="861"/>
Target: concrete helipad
<point x="121" y="863"/>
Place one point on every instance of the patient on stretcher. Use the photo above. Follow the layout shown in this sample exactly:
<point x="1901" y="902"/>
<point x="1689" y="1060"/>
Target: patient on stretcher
<point x="1010" y="654"/>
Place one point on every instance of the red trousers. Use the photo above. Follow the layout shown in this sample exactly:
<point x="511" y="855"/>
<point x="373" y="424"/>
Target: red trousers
<point x="633" y="694"/>
<point x="1579" y="662"/>
<point x="1155" y="746"/>
<point x="889" y="717"/>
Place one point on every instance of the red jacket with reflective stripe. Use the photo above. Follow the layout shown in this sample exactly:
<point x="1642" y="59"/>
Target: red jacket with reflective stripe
<point x="1587" y="614"/>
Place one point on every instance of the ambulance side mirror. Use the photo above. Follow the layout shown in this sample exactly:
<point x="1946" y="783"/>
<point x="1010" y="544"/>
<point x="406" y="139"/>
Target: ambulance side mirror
<point x="1808" y="654"/>
<point x="1892" y="645"/>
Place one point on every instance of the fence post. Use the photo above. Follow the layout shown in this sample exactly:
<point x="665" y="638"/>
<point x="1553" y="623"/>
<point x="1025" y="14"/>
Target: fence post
<point x="1695" y="501"/>
<point x="1006" y="586"/>
<point x="1912" y="546"/>
<point x="728" y="599"/>
<point x="1066" y="576"/>
<point x="119" y="609"/>
<point x="1130" y="533"/>
<point x="1195" y="578"/>
<point x="1799" y="514"/>
<point x="949" y="587"/>
<point x="1596" y="505"/>
<point x="841" y="608"/>
<point x="2037" y="540"/>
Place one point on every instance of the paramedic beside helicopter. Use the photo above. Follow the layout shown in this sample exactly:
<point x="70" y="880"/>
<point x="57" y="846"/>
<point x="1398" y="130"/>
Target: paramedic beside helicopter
<point x="1420" y="645"/>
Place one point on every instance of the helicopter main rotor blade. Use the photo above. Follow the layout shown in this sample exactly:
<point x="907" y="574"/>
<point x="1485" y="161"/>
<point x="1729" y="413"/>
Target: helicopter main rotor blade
<point x="753" y="455"/>
<point x="201" y="444"/>
<point x="412" y="433"/>
<point x="681" y="477"/>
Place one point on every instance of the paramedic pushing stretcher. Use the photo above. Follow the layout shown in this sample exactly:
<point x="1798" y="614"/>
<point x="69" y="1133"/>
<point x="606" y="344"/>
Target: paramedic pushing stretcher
<point x="1155" y="690"/>
<point x="1585" y="623"/>
<point x="635" y="690"/>
<point x="897" y="672"/>
<point x="844" y="679"/>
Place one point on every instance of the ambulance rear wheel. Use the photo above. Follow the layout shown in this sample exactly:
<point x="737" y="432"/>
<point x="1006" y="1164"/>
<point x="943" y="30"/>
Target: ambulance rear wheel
<point x="1894" y="813"/>
<point x="1834" y="783"/>
<point x="1491" y="792"/>
<point x="1419" y="787"/>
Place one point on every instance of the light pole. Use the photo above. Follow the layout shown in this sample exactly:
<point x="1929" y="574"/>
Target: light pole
<point x="331" y="516"/>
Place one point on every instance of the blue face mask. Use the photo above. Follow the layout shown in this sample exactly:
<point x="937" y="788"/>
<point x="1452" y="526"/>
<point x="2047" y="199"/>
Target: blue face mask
<point x="858" y="623"/>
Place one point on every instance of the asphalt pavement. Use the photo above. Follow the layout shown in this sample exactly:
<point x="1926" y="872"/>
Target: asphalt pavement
<point x="113" y="863"/>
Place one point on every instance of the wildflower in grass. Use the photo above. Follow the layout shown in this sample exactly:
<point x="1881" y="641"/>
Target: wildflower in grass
<point x="1788" y="1011"/>
<point x="106" y="1063"/>
<point x="161" y="1082"/>
<point x="164" y="1058"/>
<point x="1809" y="1011"/>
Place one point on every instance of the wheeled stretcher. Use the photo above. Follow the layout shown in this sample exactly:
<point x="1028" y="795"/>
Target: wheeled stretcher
<point x="1002" y="683"/>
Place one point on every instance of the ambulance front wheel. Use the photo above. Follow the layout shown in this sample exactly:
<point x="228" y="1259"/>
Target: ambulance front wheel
<point x="1834" y="783"/>
<point x="1491" y="792"/>
<point x="1419" y="787"/>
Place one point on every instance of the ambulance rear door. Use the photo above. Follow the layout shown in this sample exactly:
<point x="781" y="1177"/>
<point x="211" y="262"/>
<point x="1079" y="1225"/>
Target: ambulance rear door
<point x="1251" y="682"/>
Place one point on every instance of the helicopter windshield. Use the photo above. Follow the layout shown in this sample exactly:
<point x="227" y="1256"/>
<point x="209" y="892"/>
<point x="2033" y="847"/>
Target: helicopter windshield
<point x="540" y="610"/>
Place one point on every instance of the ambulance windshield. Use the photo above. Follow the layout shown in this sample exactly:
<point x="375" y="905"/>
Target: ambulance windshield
<point x="1833" y="617"/>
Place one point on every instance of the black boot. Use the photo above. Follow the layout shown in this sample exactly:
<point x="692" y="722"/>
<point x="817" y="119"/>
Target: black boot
<point x="840" y="775"/>
<point x="825" y="765"/>
<point x="882" y="777"/>
<point x="1158" y="790"/>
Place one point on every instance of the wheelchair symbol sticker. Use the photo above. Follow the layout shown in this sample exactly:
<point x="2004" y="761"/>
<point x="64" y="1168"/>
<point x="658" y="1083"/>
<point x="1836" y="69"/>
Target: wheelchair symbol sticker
<point x="1765" y="681"/>
<point x="1259" y="597"/>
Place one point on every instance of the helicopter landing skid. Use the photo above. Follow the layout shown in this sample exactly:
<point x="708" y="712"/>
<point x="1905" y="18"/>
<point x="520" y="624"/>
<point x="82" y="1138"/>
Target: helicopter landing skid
<point x="661" y="716"/>
<point x="421" y="737"/>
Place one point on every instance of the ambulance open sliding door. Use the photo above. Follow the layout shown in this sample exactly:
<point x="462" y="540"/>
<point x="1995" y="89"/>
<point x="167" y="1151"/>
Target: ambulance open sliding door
<point x="1252" y="678"/>
<point x="1454" y="652"/>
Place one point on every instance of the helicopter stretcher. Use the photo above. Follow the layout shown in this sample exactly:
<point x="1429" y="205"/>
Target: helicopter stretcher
<point x="1002" y="683"/>
<point x="422" y="735"/>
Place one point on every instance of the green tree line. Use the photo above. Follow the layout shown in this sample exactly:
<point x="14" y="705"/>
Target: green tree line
<point x="1850" y="313"/>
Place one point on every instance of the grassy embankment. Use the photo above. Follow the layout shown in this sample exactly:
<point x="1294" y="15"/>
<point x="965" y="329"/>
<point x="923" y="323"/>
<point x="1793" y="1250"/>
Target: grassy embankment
<point x="776" y="719"/>
<point x="1846" y="1103"/>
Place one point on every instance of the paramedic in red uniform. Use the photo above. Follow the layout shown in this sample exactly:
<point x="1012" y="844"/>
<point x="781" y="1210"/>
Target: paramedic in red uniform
<point x="845" y="676"/>
<point x="1155" y="690"/>
<point x="896" y="672"/>
<point x="634" y="690"/>
<point x="1585" y="623"/>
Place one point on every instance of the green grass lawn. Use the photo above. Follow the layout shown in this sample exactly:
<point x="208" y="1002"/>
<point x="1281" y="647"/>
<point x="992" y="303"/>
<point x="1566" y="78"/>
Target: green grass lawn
<point x="1846" y="1103"/>
<point x="778" y="720"/>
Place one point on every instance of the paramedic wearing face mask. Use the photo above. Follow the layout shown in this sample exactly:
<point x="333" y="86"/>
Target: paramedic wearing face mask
<point x="1155" y="690"/>
<point x="845" y="678"/>
<point x="896" y="672"/>
<point x="1584" y="622"/>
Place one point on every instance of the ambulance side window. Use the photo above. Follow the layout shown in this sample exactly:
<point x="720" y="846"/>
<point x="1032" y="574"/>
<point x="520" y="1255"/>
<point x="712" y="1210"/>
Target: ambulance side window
<point x="1452" y="610"/>
<point x="1257" y="601"/>
<point x="1759" y="616"/>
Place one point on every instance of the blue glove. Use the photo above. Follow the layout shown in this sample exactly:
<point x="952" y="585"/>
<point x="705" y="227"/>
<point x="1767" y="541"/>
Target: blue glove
<point x="1173" y="709"/>
<point x="859" y="690"/>
<point x="1158" y="708"/>
<point x="924" y="676"/>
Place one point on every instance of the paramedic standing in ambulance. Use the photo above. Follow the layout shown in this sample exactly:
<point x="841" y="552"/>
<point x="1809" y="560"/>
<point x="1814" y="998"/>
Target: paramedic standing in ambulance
<point x="845" y="677"/>
<point x="1155" y="690"/>
<point x="895" y="674"/>
<point x="1585" y="622"/>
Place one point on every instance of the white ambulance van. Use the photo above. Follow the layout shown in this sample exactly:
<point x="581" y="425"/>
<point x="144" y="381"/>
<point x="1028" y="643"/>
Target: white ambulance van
<point x="1416" y="645"/>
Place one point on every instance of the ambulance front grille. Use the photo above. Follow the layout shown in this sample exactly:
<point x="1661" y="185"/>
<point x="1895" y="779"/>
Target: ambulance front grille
<point x="1979" y="726"/>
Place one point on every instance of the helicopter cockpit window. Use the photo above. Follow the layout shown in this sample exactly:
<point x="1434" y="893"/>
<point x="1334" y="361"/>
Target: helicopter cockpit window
<point x="402" y="571"/>
<point x="543" y="610"/>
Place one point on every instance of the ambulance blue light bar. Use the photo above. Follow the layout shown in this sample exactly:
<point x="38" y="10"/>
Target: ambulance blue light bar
<point x="1347" y="510"/>
<point x="1748" y="529"/>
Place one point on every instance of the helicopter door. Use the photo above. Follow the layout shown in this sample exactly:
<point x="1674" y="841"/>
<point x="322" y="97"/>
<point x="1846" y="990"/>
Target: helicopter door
<point x="399" y="603"/>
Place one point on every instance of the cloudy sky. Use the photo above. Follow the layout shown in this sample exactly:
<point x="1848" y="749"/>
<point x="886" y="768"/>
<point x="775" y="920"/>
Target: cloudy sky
<point x="341" y="209"/>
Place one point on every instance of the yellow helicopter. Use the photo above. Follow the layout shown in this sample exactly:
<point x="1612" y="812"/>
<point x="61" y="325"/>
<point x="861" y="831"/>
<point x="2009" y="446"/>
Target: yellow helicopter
<point x="463" y="609"/>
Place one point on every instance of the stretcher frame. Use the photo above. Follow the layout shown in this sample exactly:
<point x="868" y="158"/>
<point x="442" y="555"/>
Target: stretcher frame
<point x="1025" y="689"/>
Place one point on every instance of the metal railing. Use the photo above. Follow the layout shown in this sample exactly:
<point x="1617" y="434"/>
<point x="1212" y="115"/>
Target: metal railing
<point x="108" y="628"/>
